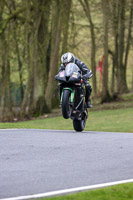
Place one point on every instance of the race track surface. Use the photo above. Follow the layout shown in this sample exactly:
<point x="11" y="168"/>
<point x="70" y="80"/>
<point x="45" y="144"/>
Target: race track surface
<point x="38" y="161"/>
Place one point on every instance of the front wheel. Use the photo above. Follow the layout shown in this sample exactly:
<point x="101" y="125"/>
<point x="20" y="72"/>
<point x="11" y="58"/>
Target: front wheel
<point x="66" y="110"/>
<point x="79" y="125"/>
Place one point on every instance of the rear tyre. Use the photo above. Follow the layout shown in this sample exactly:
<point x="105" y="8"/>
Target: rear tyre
<point x="79" y="125"/>
<point x="66" y="110"/>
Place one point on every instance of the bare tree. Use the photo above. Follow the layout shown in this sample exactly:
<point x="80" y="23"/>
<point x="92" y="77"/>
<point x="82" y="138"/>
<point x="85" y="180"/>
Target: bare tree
<point x="37" y="35"/>
<point x="86" y="7"/>
<point x="105" y="90"/>
<point x="66" y="8"/>
<point x="121" y="84"/>
<point x="54" y="57"/>
<point x="6" y="107"/>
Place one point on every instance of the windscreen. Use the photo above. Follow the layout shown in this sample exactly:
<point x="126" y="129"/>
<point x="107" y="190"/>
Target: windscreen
<point x="71" y="68"/>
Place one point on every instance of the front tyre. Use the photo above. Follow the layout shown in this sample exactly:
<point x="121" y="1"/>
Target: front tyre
<point x="79" y="125"/>
<point x="66" y="110"/>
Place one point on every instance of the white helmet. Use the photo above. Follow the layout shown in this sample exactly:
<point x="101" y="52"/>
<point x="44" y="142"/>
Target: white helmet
<point x="68" y="58"/>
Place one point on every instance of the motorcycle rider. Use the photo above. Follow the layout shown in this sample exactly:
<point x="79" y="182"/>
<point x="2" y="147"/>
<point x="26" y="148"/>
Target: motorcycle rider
<point x="87" y="73"/>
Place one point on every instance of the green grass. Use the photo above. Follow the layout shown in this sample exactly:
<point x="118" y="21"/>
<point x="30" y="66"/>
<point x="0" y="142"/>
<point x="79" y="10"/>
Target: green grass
<point x="117" y="192"/>
<point x="118" y="120"/>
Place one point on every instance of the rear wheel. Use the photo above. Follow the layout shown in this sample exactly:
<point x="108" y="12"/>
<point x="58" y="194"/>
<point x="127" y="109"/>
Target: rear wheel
<point x="79" y="125"/>
<point x="66" y="109"/>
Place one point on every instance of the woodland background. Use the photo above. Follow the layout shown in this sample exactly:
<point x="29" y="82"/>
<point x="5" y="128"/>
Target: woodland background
<point x="35" y="33"/>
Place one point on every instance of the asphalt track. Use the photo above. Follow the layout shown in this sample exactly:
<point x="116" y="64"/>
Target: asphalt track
<point x="42" y="161"/>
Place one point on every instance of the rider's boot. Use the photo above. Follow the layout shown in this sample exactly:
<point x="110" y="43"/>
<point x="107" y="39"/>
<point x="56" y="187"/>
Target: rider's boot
<point x="88" y="103"/>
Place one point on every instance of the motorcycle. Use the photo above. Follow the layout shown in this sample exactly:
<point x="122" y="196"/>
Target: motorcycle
<point x="72" y="96"/>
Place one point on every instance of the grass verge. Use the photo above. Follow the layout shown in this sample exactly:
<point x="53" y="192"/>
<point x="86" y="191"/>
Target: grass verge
<point x="118" y="120"/>
<point x="117" y="192"/>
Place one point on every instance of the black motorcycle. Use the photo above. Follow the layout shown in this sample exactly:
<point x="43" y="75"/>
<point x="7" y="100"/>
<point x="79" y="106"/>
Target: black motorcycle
<point x="72" y="95"/>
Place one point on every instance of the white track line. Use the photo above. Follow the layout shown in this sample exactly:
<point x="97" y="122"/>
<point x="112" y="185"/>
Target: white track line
<point x="66" y="191"/>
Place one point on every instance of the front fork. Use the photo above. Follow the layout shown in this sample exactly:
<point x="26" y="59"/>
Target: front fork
<point x="71" y="95"/>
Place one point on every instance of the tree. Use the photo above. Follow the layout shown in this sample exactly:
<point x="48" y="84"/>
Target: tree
<point x="105" y="91"/>
<point x="66" y="8"/>
<point x="15" y="24"/>
<point x="118" y="11"/>
<point x="129" y="35"/>
<point x="54" y="52"/>
<point x="121" y="81"/>
<point x="6" y="107"/>
<point x="87" y="11"/>
<point x="37" y="35"/>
